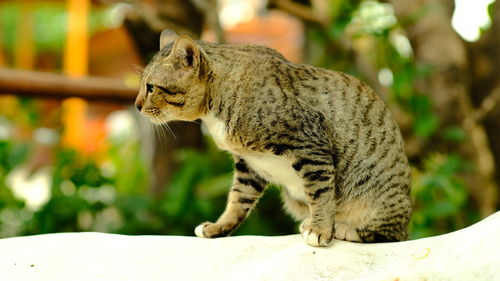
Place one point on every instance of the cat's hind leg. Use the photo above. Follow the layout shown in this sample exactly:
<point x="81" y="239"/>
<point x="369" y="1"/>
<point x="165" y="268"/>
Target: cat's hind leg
<point x="381" y="233"/>
<point x="390" y="228"/>
<point x="246" y="190"/>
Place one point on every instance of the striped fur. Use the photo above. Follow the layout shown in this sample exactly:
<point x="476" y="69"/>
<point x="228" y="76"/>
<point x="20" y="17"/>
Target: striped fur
<point x="323" y="135"/>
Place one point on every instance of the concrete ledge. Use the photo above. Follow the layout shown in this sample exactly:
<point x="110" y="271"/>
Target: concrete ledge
<point x="472" y="253"/>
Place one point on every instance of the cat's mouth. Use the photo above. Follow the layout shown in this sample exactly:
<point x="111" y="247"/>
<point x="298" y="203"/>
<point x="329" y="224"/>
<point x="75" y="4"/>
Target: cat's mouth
<point x="156" y="115"/>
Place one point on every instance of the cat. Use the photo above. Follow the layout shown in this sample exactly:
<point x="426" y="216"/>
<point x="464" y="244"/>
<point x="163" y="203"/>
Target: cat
<point x="324" y="136"/>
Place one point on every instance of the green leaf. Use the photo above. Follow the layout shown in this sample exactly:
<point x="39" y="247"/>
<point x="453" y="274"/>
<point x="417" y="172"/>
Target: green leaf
<point x="454" y="134"/>
<point x="425" y="126"/>
<point x="215" y="187"/>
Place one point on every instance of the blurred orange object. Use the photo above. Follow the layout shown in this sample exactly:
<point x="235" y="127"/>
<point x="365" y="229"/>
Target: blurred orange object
<point x="73" y="119"/>
<point x="76" y="52"/>
<point x="80" y="133"/>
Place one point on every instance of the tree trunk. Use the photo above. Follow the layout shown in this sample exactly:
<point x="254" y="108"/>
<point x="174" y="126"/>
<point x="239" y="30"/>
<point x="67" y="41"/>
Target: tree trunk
<point x="436" y="45"/>
<point x="145" y="25"/>
<point x="485" y="81"/>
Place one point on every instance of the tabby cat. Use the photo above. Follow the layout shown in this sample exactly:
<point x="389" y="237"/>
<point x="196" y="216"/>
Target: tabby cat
<point x="322" y="135"/>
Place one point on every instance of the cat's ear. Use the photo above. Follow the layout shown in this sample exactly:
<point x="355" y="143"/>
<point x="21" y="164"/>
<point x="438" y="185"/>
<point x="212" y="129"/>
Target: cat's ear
<point x="187" y="51"/>
<point x="167" y="36"/>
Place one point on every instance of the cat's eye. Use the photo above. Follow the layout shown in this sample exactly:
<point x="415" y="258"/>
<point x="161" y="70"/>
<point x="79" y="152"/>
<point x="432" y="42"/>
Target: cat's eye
<point x="149" y="88"/>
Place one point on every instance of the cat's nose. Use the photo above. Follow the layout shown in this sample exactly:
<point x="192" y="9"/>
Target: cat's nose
<point x="138" y="106"/>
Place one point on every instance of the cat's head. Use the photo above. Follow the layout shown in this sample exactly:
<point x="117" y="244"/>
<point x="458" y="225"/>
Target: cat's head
<point x="172" y="84"/>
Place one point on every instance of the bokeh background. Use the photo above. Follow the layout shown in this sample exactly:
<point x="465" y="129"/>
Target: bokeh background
<point x="75" y="156"/>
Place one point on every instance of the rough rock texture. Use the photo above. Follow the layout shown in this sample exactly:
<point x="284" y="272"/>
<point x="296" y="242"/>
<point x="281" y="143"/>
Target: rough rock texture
<point x="469" y="254"/>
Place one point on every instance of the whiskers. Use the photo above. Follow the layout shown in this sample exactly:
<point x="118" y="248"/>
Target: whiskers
<point x="198" y="121"/>
<point x="160" y="119"/>
<point x="138" y="69"/>
<point x="165" y="127"/>
<point x="161" y="126"/>
<point x="160" y="133"/>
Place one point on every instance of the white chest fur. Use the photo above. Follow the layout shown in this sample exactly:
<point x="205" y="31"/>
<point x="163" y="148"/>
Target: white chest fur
<point x="217" y="130"/>
<point x="278" y="170"/>
<point x="275" y="169"/>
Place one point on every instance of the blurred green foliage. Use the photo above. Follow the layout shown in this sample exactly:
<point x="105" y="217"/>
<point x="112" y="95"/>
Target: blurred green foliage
<point x="439" y="196"/>
<point x="113" y="196"/>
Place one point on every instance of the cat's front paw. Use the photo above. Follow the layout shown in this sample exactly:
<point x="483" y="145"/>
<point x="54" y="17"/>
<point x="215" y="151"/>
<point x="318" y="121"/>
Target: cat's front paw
<point x="316" y="236"/>
<point x="210" y="230"/>
<point x="198" y="231"/>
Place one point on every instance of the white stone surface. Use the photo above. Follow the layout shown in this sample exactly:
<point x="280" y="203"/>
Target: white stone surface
<point x="472" y="253"/>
